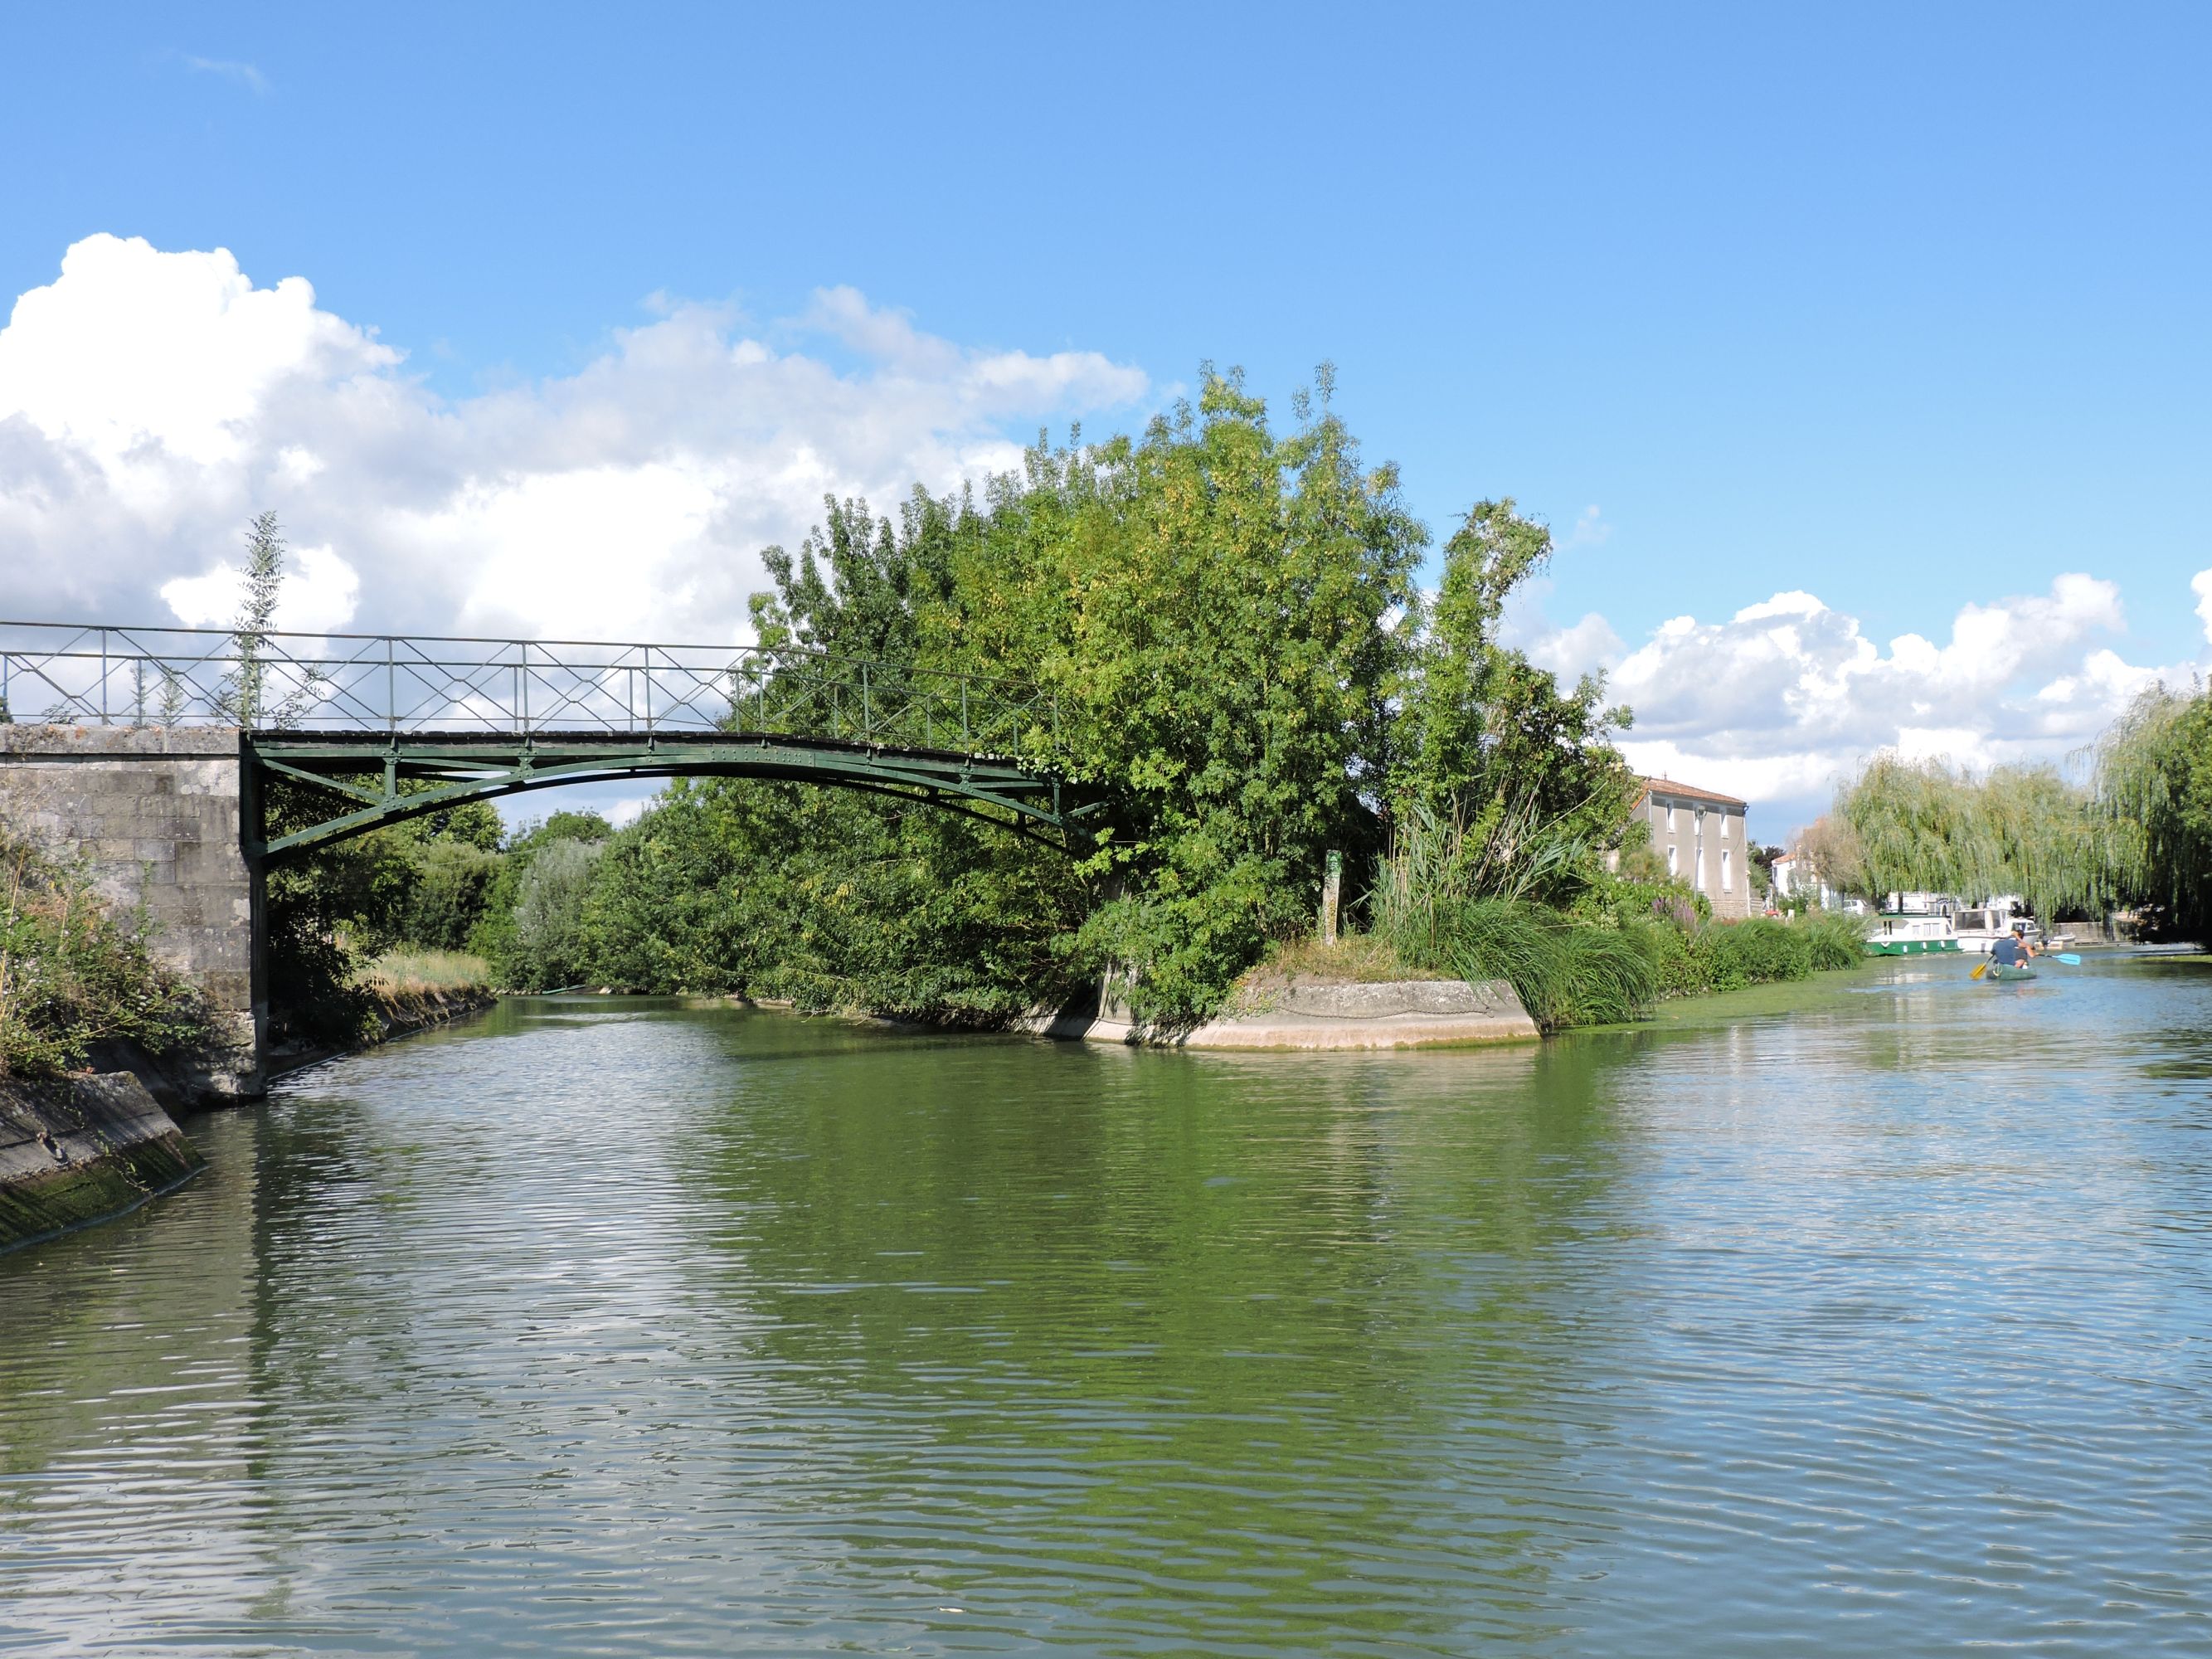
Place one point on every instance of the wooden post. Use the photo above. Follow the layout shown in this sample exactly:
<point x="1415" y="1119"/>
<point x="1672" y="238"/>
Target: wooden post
<point x="1332" y="886"/>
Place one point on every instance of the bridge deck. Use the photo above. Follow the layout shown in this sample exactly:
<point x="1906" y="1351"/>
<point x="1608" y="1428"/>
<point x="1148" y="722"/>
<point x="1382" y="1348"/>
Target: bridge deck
<point x="451" y="718"/>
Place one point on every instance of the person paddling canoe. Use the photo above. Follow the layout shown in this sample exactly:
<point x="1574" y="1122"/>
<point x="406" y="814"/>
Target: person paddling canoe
<point x="2014" y="953"/>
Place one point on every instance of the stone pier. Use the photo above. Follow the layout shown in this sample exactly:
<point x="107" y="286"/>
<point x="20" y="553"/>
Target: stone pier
<point x="152" y="813"/>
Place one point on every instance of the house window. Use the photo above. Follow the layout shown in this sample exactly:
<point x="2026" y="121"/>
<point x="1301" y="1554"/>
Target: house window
<point x="1727" y="884"/>
<point x="1674" y="860"/>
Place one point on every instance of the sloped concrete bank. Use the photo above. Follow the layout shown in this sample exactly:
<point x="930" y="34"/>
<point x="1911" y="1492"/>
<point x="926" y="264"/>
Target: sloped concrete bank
<point x="81" y="1149"/>
<point x="1393" y="1014"/>
<point x="397" y="1014"/>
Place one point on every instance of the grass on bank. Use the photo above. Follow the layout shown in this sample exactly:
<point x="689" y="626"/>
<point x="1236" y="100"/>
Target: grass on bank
<point x="1576" y="974"/>
<point x="403" y="972"/>
<point x="1354" y="959"/>
<point x="1567" y="972"/>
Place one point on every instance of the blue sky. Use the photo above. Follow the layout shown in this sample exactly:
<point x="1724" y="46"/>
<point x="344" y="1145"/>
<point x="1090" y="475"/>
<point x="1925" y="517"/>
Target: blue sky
<point x="1905" y="308"/>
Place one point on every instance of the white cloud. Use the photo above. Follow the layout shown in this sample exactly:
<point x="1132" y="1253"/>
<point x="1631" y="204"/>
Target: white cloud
<point x="2201" y="583"/>
<point x="227" y="69"/>
<point x="1787" y="694"/>
<point x="1569" y="651"/>
<point x="1589" y="529"/>
<point x="150" y="402"/>
<point x="320" y="593"/>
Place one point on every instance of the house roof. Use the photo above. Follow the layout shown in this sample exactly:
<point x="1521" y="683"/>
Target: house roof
<point x="1691" y="791"/>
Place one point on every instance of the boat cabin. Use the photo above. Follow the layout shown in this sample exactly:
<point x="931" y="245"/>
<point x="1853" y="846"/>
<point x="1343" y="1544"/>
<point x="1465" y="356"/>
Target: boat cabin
<point x="1911" y="933"/>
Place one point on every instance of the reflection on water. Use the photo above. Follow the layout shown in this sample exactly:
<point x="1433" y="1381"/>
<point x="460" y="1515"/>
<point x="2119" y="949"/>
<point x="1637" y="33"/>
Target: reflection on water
<point x="1875" y="1327"/>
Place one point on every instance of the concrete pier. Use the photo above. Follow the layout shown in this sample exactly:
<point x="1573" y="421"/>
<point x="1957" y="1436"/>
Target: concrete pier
<point x="153" y="815"/>
<point x="1395" y="1014"/>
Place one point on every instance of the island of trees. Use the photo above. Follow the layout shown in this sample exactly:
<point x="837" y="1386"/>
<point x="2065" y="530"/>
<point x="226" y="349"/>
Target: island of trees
<point x="1244" y="661"/>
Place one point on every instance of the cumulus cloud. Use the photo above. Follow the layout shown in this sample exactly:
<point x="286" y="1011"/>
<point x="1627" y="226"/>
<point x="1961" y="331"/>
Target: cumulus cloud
<point x="2201" y="583"/>
<point x="152" y="401"/>
<point x="320" y="593"/>
<point x="1571" y="652"/>
<point x="1787" y="694"/>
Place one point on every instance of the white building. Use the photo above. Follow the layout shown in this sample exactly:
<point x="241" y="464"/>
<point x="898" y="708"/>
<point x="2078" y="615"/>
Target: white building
<point x="1794" y="874"/>
<point x="1699" y="834"/>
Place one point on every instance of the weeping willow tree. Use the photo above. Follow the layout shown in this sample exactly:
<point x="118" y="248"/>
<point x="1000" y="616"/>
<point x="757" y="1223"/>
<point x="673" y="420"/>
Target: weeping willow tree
<point x="2153" y="799"/>
<point x="1906" y="825"/>
<point x="1914" y="826"/>
<point x="2045" y="842"/>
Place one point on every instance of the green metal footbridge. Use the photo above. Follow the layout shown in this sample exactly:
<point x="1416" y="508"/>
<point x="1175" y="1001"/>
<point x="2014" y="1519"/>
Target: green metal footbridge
<point x="387" y="726"/>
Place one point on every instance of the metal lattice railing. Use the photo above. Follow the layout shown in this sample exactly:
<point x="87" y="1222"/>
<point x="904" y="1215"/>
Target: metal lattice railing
<point x="66" y="674"/>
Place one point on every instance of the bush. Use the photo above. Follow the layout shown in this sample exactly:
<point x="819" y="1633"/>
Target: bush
<point x="1835" y="940"/>
<point x="1564" y="975"/>
<point x="1757" y="951"/>
<point x="70" y="977"/>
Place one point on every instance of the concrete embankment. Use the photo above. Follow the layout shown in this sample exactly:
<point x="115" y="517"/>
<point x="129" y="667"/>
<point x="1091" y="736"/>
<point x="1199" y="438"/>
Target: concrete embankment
<point x="81" y="1149"/>
<point x="394" y="1014"/>
<point x="1393" y="1014"/>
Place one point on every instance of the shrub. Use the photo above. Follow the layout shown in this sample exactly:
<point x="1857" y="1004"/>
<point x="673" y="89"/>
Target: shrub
<point x="69" y="976"/>
<point x="1834" y="938"/>
<point x="1564" y="975"/>
<point x="1757" y="951"/>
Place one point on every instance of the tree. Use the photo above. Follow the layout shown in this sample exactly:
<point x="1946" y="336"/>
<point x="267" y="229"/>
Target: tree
<point x="1521" y="779"/>
<point x="246" y="695"/>
<point x="549" y="911"/>
<point x="2153" y="797"/>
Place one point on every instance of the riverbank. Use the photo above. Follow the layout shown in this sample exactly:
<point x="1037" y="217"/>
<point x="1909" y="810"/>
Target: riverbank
<point x="83" y="1148"/>
<point x="395" y="1010"/>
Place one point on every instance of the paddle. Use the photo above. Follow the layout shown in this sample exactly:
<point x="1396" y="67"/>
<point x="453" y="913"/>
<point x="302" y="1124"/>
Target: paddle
<point x="2067" y="957"/>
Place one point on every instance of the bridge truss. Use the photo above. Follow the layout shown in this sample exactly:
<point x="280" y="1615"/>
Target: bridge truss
<point x="383" y="727"/>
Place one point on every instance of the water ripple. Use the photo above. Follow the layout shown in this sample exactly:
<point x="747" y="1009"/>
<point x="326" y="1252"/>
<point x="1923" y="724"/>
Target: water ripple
<point x="613" y="1328"/>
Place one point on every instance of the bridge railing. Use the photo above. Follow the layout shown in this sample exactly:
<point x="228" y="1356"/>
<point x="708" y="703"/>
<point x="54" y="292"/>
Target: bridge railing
<point x="67" y="674"/>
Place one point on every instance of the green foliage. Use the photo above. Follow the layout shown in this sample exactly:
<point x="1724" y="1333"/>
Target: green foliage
<point x="1589" y="968"/>
<point x="246" y="696"/>
<point x="446" y="898"/>
<point x="1836" y="939"/>
<point x="548" y="910"/>
<point x="829" y="900"/>
<point x="71" y="976"/>
<point x="1224" y="619"/>
<point x="2155" y="806"/>
<point x="492" y="934"/>
<point x="1490" y="744"/>
<point x="1907" y="826"/>
<point x="1564" y="975"/>
<point x="426" y="882"/>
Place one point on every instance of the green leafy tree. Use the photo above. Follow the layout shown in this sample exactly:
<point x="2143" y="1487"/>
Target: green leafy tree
<point x="254" y="693"/>
<point x="2153" y="789"/>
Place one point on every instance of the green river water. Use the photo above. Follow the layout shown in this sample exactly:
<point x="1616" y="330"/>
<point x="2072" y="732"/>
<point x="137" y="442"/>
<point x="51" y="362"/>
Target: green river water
<point x="1874" y="1317"/>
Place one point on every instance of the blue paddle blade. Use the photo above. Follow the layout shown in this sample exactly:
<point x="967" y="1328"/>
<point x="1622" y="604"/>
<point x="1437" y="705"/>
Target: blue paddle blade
<point x="2068" y="957"/>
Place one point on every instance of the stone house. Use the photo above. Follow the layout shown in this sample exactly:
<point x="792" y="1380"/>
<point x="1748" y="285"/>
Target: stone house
<point x="1699" y="835"/>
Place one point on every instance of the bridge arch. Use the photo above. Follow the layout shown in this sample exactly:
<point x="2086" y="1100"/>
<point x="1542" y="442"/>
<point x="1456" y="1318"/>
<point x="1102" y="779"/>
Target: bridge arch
<point x="370" y="768"/>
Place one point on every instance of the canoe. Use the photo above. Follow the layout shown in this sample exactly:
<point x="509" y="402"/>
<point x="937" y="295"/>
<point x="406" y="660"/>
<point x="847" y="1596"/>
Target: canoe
<point x="2000" y="973"/>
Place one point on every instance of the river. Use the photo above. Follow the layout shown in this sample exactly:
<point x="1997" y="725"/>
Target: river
<point x="1868" y="1318"/>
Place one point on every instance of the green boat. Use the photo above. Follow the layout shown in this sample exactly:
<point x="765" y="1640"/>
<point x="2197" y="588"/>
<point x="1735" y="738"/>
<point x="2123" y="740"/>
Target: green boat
<point x="1911" y="933"/>
<point x="2007" y="973"/>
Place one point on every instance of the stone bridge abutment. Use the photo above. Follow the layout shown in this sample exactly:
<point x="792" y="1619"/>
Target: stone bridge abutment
<point x="151" y="816"/>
